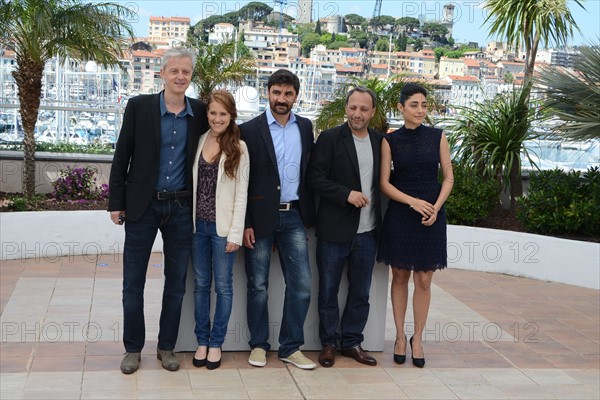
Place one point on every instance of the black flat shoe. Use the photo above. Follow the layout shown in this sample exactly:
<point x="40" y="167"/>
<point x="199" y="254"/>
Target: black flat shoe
<point x="199" y="363"/>
<point x="213" y="364"/>
<point x="399" y="358"/>
<point x="417" y="362"/>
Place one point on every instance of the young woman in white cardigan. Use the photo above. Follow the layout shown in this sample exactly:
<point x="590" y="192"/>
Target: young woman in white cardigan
<point x="220" y="194"/>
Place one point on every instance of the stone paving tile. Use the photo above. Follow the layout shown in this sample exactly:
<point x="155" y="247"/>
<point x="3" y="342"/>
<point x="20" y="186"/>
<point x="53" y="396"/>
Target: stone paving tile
<point x="433" y="392"/>
<point x="57" y="363"/>
<point x="501" y="346"/>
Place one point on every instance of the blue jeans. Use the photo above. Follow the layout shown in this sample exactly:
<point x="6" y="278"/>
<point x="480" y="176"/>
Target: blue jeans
<point x="208" y="257"/>
<point x="291" y="242"/>
<point x="359" y="254"/>
<point x="174" y="220"/>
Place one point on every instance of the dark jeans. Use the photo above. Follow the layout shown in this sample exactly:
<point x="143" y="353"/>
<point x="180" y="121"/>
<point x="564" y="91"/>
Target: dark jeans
<point x="174" y="219"/>
<point x="359" y="254"/>
<point x="290" y="240"/>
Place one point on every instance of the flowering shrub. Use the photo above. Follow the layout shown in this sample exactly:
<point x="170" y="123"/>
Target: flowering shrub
<point x="79" y="184"/>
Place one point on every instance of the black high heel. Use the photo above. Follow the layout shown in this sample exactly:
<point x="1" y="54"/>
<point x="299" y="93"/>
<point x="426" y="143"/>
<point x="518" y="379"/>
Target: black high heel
<point x="213" y="364"/>
<point x="399" y="358"/>
<point x="417" y="362"/>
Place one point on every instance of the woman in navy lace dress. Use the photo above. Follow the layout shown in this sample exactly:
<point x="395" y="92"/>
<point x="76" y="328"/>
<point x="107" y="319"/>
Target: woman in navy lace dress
<point x="414" y="228"/>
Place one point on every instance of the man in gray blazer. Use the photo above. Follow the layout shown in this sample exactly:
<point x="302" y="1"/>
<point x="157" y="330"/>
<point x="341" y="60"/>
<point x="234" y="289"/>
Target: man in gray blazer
<point x="344" y="173"/>
<point x="150" y="189"/>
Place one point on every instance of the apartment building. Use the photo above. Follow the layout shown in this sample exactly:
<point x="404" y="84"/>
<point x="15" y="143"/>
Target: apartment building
<point x="466" y="90"/>
<point x="167" y="29"/>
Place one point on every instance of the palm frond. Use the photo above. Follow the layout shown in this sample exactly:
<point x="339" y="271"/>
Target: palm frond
<point x="491" y="134"/>
<point x="216" y="66"/>
<point x="574" y="96"/>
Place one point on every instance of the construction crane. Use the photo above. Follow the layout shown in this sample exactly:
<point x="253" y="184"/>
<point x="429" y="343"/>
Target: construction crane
<point x="370" y="41"/>
<point x="281" y="4"/>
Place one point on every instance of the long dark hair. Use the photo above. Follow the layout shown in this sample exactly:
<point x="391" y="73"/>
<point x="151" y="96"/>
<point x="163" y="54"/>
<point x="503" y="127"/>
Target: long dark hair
<point x="229" y="141"/>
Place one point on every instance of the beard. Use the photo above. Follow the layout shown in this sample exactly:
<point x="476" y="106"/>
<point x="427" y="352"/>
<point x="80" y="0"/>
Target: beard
<point x="358" y="125"/>
<point x="280" y="108"/>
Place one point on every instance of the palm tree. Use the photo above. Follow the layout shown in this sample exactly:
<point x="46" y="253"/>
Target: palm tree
<point x="39" y="30"/>
<point x="218" y="64"/>
<point x="526" y="23"/>
<point x="387" y="91"/>
<point x="575" y="96"/>
<point x="492" y="137"/>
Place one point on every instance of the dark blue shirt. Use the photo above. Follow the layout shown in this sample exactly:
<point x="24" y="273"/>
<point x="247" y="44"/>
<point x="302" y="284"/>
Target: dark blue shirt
<point x="173" y="143"/>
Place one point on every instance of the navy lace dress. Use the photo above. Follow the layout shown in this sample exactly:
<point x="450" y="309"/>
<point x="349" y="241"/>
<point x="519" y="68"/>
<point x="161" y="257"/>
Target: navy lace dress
<point x="406" y="243"/>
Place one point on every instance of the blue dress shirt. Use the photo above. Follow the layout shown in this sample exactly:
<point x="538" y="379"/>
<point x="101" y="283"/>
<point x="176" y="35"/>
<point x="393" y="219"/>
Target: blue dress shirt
<point x="288" y="150"/>
<point x="173" y="144"/>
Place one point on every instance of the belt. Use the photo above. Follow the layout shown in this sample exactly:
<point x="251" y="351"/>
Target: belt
<point x="288" y="206"/>
<point x="171" y="195"/>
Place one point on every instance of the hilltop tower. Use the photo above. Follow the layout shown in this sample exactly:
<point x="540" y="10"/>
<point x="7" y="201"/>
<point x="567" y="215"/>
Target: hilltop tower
<point x="448" y="17"/>
<point x="304" y="11"/>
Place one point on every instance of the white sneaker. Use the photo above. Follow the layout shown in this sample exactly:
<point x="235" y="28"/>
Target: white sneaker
<point x="299" y="360"/>
<point x="258" y="357"/>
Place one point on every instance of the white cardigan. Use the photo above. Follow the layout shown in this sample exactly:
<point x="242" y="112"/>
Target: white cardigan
<point x="231" y="195"/>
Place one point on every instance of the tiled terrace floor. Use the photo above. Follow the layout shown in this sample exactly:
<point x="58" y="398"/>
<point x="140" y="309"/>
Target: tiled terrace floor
<point x="489" y="337"/>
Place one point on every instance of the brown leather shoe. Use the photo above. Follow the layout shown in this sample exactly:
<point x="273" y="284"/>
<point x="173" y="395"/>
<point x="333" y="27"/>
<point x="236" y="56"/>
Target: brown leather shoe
<point x="359" y="355"/>
<point x="327" y="356"/>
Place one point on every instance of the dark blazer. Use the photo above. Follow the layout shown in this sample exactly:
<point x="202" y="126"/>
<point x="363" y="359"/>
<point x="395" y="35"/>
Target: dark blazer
<point x="333" y="173"/>
<point x="135" y="164"/>
<point x="264" y="188"/>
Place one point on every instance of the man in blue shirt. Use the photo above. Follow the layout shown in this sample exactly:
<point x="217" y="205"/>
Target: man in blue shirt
<point x="150" y="190"/>
<point x="280" y="206"/>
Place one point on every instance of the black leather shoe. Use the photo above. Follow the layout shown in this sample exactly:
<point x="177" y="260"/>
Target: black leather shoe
<point x="399" y="358"/>
<point x="327" y="356"/>
<point x="417" y="362"/>
<point x="213" y="364"/>
<point x="359" y="355"/>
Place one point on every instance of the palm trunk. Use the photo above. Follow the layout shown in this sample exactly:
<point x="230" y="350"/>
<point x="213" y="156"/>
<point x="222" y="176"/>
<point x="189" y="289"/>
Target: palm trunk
<point x="28" y="77"/>
<point x="516" y="183"/>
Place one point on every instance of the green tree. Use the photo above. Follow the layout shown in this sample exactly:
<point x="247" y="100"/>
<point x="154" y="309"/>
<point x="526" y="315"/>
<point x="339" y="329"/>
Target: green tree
<point x="527" y="23"/>
<point x="439" y="53"/>
<point x="384" y="20"/>
<point x="417" y="44"/>
<point x="318" y="28"/>
<point x="436" y="31"/>
<point x="360" y="38"/>
<point x="202" y="27"/>
<point x="493" y="137"/>
<point x="304" y="29"/>
<point x="387" y="91"/>
<point x="217" y="66"/>
<point x="309" y="41"/>
<point x="337" y="44"/>
<point x="382" y="44"/>
<point x="402" y="42"/>
<point x="255" y="10"/>
<point x="508" y="78"/>
<point x="573" y="96"/>
<point x="407" y="24"/>
<point x="354" y="20"/>
<point x="326" y="38"/>
<point x="39" y="30"/>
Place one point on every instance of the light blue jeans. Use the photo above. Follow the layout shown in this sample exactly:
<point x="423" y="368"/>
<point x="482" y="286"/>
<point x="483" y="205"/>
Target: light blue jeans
<point x="209" y="259"/>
